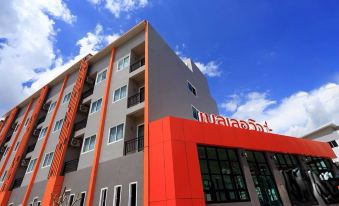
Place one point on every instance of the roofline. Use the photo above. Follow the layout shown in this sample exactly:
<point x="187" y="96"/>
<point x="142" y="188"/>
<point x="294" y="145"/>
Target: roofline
<point x="328" y="125"/>
<point x="92" y="59"/>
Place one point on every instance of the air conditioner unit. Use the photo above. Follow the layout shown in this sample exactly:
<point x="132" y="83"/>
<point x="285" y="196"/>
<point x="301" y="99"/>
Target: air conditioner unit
<point x="83" y="108"/>
<point x="24" y="162"/>
<point x="75" y="142"/>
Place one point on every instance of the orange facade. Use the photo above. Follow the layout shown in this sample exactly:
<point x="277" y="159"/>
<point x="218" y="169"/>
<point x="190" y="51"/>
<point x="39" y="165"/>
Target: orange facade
<point x="174" y="170"/>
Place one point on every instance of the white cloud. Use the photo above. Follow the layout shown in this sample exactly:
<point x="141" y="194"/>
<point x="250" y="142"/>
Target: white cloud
<point x="296" y="115"/>
<point x="116" y="7"/>
<point x="27" y="32"/>
<point x="210" y="69"/>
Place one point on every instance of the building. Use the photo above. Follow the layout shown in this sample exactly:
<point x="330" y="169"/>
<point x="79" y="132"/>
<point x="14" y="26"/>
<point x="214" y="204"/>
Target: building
<point x="120" y="128"/>
<point x="328" y="133"/>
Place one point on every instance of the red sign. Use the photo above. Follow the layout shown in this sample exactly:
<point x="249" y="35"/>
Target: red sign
<point x="249" y="124"/>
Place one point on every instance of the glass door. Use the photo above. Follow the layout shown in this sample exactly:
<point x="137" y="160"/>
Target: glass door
<point x="263" y="179"/>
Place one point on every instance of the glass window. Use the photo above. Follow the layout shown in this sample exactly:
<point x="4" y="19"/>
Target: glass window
<point x="31" y="165"/>
<point x="71" y="200"/>
<point x="27" y="121"/>
<point x="42" y="133"/>
<point x="67" y="97"/>
<point x="89" y="144"/>
<point x="101" y="76"/>
<point x="16" y="146"/>
<point x="48" y="159"/>
<point x="132" y="199"/>
<point x="333" y="144"/>
<point x="51" y="106"/>
<point x="3" y="177"/>
<point x="222" y="177"/>
<point x="120" y="93"/>
<point x="123" y="63"/>
<point x="191" y="88"/>
<point x="195" y="113"/>
<point x="103" y="197"/>
<point x="116" y="133"/>
<point x="117" y="196"/>
<point x="58" y="125"/>
<point x="82" y="199"/>
<point x="96" y="106"/>
<point x="16" y="127"/>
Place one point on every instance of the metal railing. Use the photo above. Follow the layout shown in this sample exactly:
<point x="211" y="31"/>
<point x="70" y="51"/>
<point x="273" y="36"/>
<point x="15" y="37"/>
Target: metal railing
<point x="30" y="148"/>
<point x="135" y="99"/>
<point x="70" y="166"/>
<point x="17" y="182"/>
<point x="134" y="145"/>
<point x="137" y="65"/>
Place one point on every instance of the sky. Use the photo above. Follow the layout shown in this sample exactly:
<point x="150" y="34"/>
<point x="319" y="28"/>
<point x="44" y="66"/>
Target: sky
<point x="269" y="60"/>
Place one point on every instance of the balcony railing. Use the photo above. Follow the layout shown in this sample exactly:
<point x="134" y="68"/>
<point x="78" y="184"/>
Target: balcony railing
<point x="135" y="99"/>
<point x="30" y="148"/>
<point x="87" y="93"/>
<point x="70" y="166"/>
<point x="137" y="65"/>
<point x="80" y="125"/>
<point x="134" y="145"/>
<point x="17" y="182"/>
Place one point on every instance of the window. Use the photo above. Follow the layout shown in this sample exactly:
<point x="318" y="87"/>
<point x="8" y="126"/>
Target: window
<point x="123" y="63"/>
<point x="31" y="165"/>
<point x="192" y="88"/>
<point x="103" y="197"/>
<point x="5" y="152"/>
<point x="82" y="200"/>
<point x="132" y="199"/>
<point x="16" y="146"/>
<point x="51" y="107"/>
<point x="116" y="133"/>
<point x="42" y="133"/>
<point x="222" y="176"/>
<point x="89" y="144"/>
<point x="119" y="93"/>
<point x="27" y="121"/>
<point x="101" y="76"/>
<point x="3" y="177"/>
<point x="117" y="195"/>
<point x="58" y="125"/>
<point x="285" y="161"/>
<point x="333" y="144"/>
<point x="319" y="165"/>
<point x="195" y="113"/>
<point x="16" y="127"/>
<point x="67" y="97"/>
<point x="71" y="200"/>
<point x="96" y="106"/>
<point x="48" y="159"/>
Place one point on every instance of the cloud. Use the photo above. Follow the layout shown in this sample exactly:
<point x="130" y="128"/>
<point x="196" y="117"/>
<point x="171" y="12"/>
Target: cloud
<point x="27" y="36"/>
<point x="295" y="115"/>
<point x="116" y="7"/>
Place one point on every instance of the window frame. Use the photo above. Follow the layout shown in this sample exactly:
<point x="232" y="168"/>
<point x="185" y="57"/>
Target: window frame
<point x="16" y="146"/>
<point x="3" y="176"/>
<point x="122" y="59"/>
<point x="130" y="191"/>
<point x="100" y="199"/>
<point x="35" y="159"/>
<point x="120" y="98"/>
<point x="115" y="193"/>
<point x="69" y="94"/>
<point x="194" y="107"/>
<point x="109" y="133"/>
<point x="85" y="195"/>
<point x="51" y="109"/>
<point x="45" y="131"/>
<point x="195" y="93"/>
<point x="62" y="122"/>
<point x="95" y="102"/>
<point x="100" y="73"/>
<point x="26" y="122"/>
<point x="83" y="144"/>
<point x="43" y="162"/>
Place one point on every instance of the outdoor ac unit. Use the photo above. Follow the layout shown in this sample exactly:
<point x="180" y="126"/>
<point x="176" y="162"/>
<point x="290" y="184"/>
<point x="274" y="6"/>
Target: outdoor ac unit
<point x="24" y="162"/>
<point x="83" y="108"/>
<point x="75" y="142"/>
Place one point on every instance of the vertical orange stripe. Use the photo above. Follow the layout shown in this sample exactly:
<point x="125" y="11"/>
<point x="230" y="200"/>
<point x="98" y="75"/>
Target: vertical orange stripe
<point x="9" y="153"/>
<point x="8" y="124"/>
<point x="146" y="121"/>
<point x="44" y="143"/>
<point x="97" y="151"/>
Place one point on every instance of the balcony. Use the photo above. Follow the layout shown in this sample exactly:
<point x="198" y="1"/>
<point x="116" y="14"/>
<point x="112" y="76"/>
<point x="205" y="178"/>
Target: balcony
<point x="17" y="182"/>
<point x="137" y="65"/>
<point x="80" y="125"/>
<point x="135" y="99"/>
<point x="134" y="145"/>
<point x="30" y="148"/>
<point x="70" y="166"/>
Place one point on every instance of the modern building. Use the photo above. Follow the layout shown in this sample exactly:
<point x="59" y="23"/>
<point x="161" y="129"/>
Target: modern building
<point x="121" y="128"/>
<point x="328" y="133"/>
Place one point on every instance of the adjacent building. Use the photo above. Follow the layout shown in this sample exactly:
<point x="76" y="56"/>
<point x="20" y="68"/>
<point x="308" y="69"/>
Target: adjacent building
<point x="122" y="128"/>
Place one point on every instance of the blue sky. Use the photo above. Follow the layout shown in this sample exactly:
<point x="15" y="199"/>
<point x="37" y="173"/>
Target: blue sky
<point x="263" y="59"/>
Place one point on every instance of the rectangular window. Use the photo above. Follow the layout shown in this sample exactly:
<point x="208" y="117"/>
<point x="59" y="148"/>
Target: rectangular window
<point x="26" y="121"/>
<point x="66" y="98"/>
<point x="71" y="200"/>
<point x="103" y="197"/>
<point x="117" y="195"/>
<point x="132" y="199"/>
<point x="82" y="199"/>
<point x="333" y="144"/>
<point x="192" y="88"/>
<point x="101" y="76"/>
<point x="5" y="152"/>
<point x="89" y="144"/>
<point x="58" y="125"/>
<point x="222" y="176"/>
<point x="42" y="133"/>
<point x="16" y="127"/>
<point x="3" y="177"/>
<point x="116" y="133"/>
<point x="31" y="165"/>
<point x="16" y="146"/>
<point x="96" y="106"/>
<point x="195" y="113"/>
<point x="119" y="93"/>
<point x="51" y="106"/>
<point x="123" y="63"/>
<point x="285" y="161"/>
<point x="48" y="159"/>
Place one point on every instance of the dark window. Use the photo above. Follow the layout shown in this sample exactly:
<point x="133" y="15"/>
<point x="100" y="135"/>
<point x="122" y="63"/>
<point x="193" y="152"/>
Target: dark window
<point x="82" y="200"/>
<point x="133" y="194"/>
<point x="222" y="176"/>
<point x="71" y="200"/>
<point x="195" y="113"/>
<point x="191" y="88"/>
<point x="333" y="144"/>
<point x="103" y="197"/>
<point x="285" y="161"/>
<point x="263" y="179"/>
<point x="117" y="196"/>
<point x="319" y="165"/>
